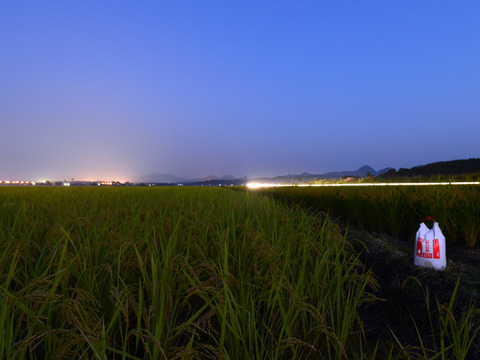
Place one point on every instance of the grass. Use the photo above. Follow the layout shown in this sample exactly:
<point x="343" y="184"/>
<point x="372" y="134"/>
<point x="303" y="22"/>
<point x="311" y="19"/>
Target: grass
<point x="208" y="273"/>
<point x="166" y="273"/>
<point x="395" y="210"/>
<point x="439" y="316"/>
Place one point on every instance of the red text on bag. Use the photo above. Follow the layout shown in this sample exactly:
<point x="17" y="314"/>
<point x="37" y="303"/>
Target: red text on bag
<point x="427" y="254"/>
<point x="436" y="249"/>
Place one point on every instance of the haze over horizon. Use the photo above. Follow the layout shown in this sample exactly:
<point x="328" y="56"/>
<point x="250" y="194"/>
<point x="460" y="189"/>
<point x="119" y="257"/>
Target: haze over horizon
<point x="96" y="90"/>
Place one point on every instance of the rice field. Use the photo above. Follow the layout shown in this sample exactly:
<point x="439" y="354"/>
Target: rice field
<point x="396" y="210"/>
<point x="187" y="273"/>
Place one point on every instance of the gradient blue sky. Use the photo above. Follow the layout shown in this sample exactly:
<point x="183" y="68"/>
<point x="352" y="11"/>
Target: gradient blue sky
<point x="116" y="89"/>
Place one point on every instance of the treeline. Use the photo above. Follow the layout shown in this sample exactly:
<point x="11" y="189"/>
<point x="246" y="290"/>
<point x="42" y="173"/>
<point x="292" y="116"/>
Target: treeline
<point x="456" y="170"/>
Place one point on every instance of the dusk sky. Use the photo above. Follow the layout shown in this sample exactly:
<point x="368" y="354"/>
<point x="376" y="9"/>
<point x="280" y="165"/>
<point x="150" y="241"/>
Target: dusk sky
<point x="110" y="90"/>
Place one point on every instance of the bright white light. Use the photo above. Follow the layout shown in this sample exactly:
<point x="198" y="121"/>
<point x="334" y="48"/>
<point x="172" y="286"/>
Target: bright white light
<point x="261" y="185"/>
<point x="20" y="182"/>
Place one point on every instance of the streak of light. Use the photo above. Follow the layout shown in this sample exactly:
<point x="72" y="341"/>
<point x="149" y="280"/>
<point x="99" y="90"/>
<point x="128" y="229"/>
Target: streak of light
<point x="255" y="185"/>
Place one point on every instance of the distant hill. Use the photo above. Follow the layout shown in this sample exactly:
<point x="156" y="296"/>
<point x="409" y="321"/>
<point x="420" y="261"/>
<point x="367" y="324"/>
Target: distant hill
<point x="159" y="178"/>
<point x="454" y="167"/>
<point x="445" y="168"/>
<point x="215" y="178"/>
<point x="306" y="177"/>
<point x="361" y="172"/>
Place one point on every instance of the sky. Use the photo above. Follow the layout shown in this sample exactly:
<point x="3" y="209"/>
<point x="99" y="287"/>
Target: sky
<point x="111" y="90"/>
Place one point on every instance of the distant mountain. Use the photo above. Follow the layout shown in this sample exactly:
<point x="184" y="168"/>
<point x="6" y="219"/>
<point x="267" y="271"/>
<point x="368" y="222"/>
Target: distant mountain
<point x="453" y="167"/>
<point x="383" y="171"/>
<point x="291" y="178"/>
<point x="161" y="179"/>
<point x="214" y="178"/>
<point x="362" y="172"/>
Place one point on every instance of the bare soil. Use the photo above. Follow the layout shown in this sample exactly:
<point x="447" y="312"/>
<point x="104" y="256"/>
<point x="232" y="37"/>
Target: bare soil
<point x="408" y="294"/>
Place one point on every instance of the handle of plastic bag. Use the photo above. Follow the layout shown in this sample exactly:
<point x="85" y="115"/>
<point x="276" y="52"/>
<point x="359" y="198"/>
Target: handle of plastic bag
<point x="429" y="218"/>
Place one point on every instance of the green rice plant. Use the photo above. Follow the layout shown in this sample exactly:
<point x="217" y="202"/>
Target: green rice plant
<point x="392" y="209"/>
<point x="468" y="218"/>
<point x="167" y="273"/>
<point x="6" y="305"/>
<point x="450" y="336"/>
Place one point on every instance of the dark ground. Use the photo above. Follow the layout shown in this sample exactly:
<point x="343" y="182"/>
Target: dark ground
<point x="403" y="289"/>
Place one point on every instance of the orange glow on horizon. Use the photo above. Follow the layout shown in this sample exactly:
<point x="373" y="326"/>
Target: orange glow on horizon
<point x="102" y="178"/>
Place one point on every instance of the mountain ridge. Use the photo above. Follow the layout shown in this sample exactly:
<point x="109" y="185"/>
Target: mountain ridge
<point x="161" y="178"/>
<point x="451" y="167"/>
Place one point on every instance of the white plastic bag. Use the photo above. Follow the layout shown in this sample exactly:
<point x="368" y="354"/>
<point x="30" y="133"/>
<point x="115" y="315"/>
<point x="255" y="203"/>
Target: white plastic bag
<point x="430" y="247"/>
